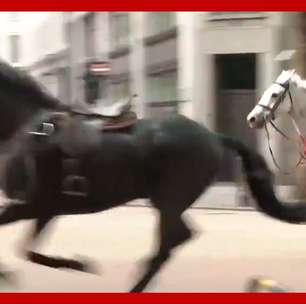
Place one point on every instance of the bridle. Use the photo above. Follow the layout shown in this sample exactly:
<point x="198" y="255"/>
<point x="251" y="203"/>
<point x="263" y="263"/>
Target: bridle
<point x="302" y="139"/>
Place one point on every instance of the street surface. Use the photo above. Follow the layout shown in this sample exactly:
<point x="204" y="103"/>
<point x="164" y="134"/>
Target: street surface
<point x="233" y="246"/>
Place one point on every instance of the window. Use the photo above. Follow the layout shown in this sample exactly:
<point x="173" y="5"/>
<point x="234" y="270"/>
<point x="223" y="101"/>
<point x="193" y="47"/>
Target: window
<point x="119" y="29"/>
<point x="235" y="15"/>
<point x="162" y="91"/>
<point x="90" y="35"/>
<point x="120" y="90"/>
<point x="14" y="16"/>
<point x="14" y="42"/>
<point x="103" y="89"/>
<point x="160" y="22"/>
<point x="96" y="89"/>
<point x="68" y="32"/>
<point x="163" y="87"/>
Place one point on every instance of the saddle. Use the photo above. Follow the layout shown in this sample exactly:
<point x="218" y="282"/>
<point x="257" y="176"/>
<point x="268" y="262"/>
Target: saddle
<point x="79" y="131"/>
<point x="78" y="134"/>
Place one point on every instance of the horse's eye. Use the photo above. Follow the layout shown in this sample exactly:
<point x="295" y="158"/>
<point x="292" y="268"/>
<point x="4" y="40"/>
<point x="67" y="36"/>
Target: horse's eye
<point x="274" y="95"/>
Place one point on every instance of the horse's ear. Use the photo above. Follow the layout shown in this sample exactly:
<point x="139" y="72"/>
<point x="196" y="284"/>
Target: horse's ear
<point x="292" y="71"/>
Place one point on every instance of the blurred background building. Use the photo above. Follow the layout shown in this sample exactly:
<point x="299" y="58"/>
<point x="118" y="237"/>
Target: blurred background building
<point x="209" y="66"/>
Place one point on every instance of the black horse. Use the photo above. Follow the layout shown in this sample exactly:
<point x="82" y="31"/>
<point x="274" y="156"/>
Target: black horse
<point x="170" y="161"/>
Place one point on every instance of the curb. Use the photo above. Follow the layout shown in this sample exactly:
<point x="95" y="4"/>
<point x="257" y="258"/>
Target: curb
<point x="229" y="208"/>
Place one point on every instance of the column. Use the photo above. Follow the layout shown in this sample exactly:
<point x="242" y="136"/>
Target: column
<point x="137" y="61"/>
<point x="186" y="50"/>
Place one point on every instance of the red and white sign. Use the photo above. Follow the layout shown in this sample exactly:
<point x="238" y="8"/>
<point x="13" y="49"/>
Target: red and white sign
<point x="99" y="68"/>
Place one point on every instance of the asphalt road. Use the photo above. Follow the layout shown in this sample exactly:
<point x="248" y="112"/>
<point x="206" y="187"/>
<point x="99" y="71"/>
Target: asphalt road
<point x="231" y="248"/>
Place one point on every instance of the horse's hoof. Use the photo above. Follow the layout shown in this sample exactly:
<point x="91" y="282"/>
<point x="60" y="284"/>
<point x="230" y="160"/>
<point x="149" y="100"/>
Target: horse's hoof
<point x="86" y="265"/>
<point x="136" y="289"/>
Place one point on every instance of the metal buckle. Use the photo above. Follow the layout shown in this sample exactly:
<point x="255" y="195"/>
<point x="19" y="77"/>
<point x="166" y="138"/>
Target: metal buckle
<point x="47" y="130"/>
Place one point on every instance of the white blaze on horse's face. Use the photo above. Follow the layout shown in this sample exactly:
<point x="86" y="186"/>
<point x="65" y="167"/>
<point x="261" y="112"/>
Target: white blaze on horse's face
<point x="271" y="103"/>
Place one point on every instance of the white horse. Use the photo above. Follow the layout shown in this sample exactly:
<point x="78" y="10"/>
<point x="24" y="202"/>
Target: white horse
<point x="276" y="99"/>
<point x="279" y="99"/>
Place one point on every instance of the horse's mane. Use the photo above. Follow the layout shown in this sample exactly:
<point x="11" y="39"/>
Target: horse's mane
<point x="16" y="82"/>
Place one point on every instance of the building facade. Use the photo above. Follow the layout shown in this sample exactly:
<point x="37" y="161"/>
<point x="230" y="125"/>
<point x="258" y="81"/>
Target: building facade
<point x="209" y="66"/>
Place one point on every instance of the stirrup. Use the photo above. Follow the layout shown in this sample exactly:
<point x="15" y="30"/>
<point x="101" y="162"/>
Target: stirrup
<point x="75" y="185"/>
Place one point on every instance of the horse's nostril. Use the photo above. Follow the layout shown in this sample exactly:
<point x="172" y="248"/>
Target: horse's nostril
<point x="252" y="119"/>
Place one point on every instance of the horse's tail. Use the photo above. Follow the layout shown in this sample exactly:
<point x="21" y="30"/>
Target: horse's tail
<point x="260" y="181"/>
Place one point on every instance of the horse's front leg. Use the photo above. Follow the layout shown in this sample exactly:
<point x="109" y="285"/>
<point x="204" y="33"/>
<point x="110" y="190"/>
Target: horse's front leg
<point x="46" y="260"/>
<point x="9" y="213"/>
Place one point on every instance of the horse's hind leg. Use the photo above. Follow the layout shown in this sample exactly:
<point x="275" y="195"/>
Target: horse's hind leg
<point x="173" y="232"/>
<point x="50" y="261"/>
<point x="178" y="188"/>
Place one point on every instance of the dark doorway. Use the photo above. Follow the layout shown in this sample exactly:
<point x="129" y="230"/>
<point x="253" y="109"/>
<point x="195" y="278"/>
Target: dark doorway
<point x="235" y="97"/>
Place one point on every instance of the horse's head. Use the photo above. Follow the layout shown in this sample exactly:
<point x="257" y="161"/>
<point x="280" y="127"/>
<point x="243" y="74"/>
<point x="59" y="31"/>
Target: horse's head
<point x="21" y="99"/>
<point x="272" y="102"/>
